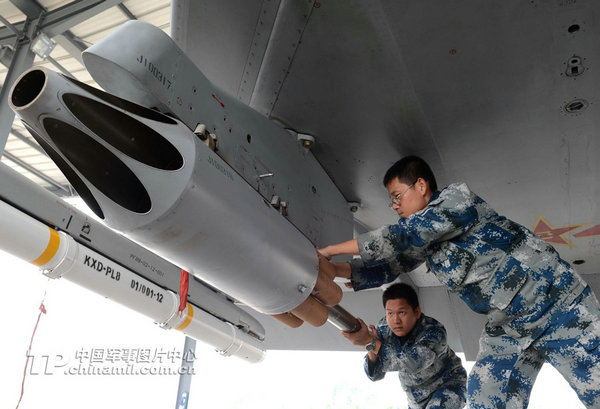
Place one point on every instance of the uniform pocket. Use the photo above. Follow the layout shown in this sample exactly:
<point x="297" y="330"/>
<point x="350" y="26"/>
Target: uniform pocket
<point x="451" y="263"/>
<point x="506" y="284"/>
<point x="590" y="335"/>
<point x="590" y="338"/>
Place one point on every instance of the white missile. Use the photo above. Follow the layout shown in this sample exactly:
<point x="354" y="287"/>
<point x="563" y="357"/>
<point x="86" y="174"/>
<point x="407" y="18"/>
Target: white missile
<point x="21" y="193"/>
<point x="148" y="176"/>
<point x="58" y="255"/>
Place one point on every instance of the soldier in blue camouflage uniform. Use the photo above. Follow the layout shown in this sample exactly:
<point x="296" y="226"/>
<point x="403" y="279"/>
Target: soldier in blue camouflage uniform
<point x="414" y="345"/>
<point x="538" y="308"/>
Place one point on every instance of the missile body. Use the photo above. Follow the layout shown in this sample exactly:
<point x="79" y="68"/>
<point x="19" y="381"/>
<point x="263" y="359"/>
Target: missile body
<point x="58" y="255"/>
<point x="148" y="176"/>
<point x="31" y="199"/>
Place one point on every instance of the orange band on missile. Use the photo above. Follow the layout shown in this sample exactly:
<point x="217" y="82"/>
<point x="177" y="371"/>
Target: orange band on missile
<point x="188" y="318"/>
<point x="50" y="251"/>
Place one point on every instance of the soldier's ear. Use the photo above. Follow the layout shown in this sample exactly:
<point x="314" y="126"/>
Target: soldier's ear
<point x="418" y="312"/>
<point x="422" y="186"/>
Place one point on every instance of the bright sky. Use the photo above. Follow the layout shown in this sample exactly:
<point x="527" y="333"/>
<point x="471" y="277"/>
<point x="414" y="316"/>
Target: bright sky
<point x="80" y="326"/>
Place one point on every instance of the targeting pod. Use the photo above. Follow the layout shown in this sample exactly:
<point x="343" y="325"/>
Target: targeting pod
<point x="148" y="176"/>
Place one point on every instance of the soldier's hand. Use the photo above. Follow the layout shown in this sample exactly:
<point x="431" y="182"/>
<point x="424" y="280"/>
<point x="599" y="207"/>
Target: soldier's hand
<point x="324" y="253"/>
<point x="332" y="270"/>
<point x="361" y="337"/>
<point x="373" y="331"/>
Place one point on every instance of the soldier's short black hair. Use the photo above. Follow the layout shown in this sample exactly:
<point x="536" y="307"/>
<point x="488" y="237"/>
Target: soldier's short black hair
<point x="408" y="170"/>
<point x="401" y="290"/>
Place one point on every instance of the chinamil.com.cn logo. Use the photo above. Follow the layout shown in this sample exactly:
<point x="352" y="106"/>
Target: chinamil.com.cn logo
<point x="114" y="361"/>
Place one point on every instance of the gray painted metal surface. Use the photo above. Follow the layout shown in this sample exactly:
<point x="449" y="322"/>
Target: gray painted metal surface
<point x="73" y="45"/>
<point x="178" y="198"/>
<point x="480" y="91"/>
<point x="9" y="25"/>
<point x="141" y="63"/>
<point x="21" y="61"/>
<point x="51" y="210"/>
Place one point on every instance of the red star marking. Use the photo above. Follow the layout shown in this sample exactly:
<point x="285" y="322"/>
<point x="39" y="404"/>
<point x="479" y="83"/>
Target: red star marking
<point x="553" y="235"/>
<point x="592" y="231"/>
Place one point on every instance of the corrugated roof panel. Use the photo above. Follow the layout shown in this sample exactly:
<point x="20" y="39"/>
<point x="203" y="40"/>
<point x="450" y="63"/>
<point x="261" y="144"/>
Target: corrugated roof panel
<point x="156" y="12"/>
<point x="57" y="176"/>
<point x="10" y="12"/>
<point x="58" y="52"/>
<point x="142" y="8"/>
<point x="13" y="166"/>
<point x="18" y="125"/>
<point x="107" y="20"/>
<point x="18" y="147"/>
<point x="69" y="64"/>
<point x="53" y="4"/>
<point x="79" y="73"/>
<point x="158" y="18"/>
<point x="39" y="181"/>
<point x="21" y="149"/>
<point x="24" y="172"/>
<point x="85" y="77"/>
<point x="33" y="158"/>
<point x="50" y="170"/>
<point x="40" y="163"/>
<point x="95" y="37"/>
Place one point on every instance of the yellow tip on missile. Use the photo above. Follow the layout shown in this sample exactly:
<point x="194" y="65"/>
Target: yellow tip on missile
<point x="188" y="318"/>
<point x="50" y="250"/>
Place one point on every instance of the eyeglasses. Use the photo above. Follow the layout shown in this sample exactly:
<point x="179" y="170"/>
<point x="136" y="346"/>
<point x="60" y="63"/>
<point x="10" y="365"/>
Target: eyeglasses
<point x="396" y="199"/>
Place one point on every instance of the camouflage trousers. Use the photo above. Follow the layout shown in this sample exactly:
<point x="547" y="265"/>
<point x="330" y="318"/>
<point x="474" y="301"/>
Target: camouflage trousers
<point x="504" y="374"/>
<point x="447" y="398"/>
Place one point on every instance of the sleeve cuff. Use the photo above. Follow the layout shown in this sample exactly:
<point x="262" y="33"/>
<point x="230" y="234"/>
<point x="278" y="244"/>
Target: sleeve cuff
<point x="371" y="243"/>
<point x="355" y="265"/>
<point x="363" y="242"/>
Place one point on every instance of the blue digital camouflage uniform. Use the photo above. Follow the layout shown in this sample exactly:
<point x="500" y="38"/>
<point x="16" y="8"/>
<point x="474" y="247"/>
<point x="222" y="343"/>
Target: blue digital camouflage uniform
<point x="538" y="307"/>
<point x="430" y="373"/>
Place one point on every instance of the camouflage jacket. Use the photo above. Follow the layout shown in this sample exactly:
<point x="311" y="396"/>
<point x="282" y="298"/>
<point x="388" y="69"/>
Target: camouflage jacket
<point x="423" y="360"/>
<point x="496" y="266"/>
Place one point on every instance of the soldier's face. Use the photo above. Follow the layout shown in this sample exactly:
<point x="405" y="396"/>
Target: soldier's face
<point x="400" y="316"/>
<point x="408" y="199"/>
